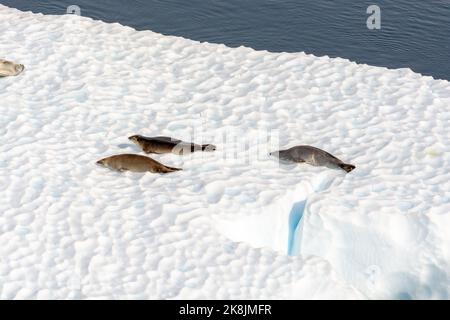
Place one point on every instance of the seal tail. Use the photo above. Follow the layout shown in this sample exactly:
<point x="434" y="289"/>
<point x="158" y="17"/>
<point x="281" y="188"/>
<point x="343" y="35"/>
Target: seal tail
<point x="346" y="167"/>
<point x="208" y="147"/>
<point x="171" y="169"/>
<point x="165" y="169"/>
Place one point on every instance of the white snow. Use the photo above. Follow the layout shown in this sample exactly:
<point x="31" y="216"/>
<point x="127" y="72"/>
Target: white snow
<point x="231" y="224"/>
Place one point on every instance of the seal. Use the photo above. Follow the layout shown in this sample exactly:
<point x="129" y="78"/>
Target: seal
<point x="313" y="156"/>
<point x="135" y="163"/>
<point x="8" y="68"/>
<point x="161" y="145"/>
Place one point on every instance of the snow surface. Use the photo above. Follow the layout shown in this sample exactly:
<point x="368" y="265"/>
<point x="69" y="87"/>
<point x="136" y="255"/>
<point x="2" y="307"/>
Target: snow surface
<point x="229" y="225"/>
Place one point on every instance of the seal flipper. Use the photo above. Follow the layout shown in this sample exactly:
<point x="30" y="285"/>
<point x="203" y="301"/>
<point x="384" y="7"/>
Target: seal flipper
<point x="165" y="169"/>
<point x="208" y="147"/>
<point x="346" y="167"/>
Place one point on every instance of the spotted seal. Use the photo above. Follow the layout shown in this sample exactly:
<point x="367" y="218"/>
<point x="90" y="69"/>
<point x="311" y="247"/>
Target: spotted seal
<point x="135" y="163"/>
<point x="313" y="156"/>
<point x="8" y="68"/>
<point x="168" y="145"/>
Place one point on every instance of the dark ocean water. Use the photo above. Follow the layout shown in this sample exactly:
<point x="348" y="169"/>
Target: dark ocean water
<point x="414" y="33"/>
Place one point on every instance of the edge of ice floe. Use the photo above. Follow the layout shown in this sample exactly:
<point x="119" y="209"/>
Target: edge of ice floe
<point x="242" y="47"/>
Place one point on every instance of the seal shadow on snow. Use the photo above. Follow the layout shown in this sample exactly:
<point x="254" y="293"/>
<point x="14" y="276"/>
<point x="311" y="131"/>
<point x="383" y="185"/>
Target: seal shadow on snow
<point x="295" y="217"/>
<point x="285" y="165"/>
<point x="128" y="145"/>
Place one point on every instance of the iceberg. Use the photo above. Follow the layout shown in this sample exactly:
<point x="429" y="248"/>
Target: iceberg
<point x="231" y="225"/>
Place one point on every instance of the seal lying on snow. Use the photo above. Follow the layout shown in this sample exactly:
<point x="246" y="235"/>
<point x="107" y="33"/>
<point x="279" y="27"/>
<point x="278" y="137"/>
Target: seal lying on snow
<point x="168" y="145"/>
<point x="313" y="156"/>
<point x="8" y="68"/>
<point x="135" y="163"/>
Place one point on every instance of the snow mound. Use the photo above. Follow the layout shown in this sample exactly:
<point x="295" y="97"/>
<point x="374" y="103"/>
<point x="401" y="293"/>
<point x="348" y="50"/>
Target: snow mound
<point x="230" y="225"/>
